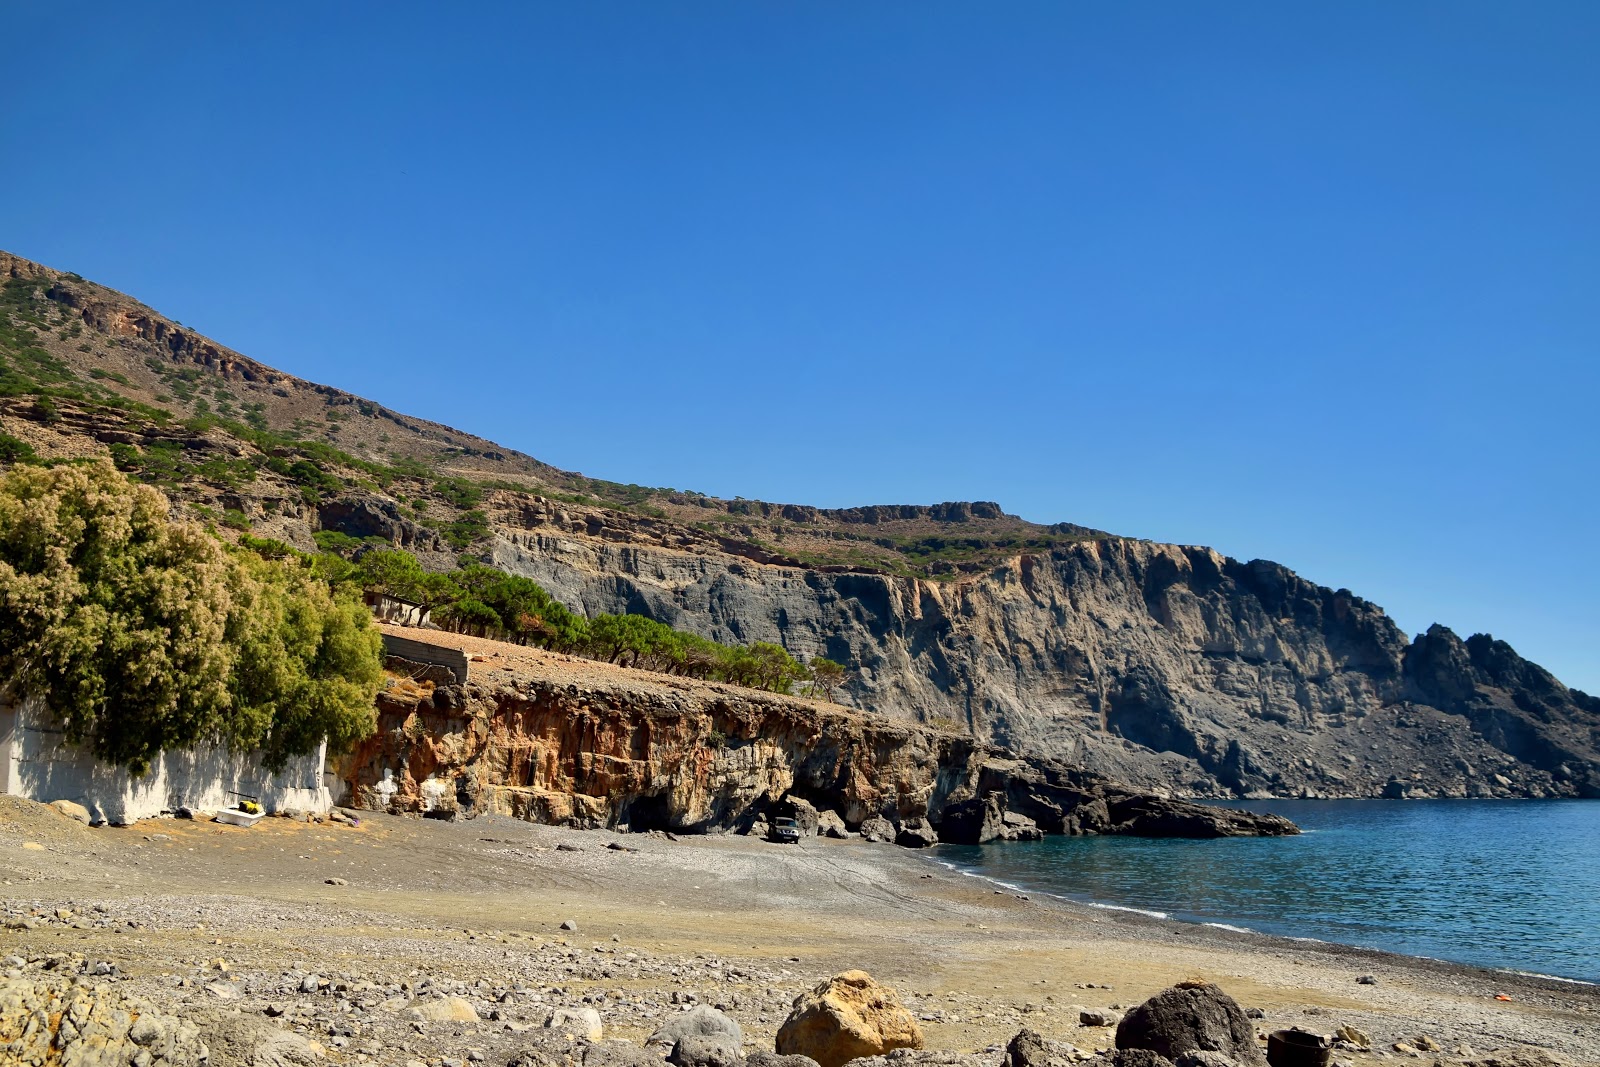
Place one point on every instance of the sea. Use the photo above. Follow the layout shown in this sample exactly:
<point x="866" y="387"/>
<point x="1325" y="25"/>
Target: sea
<point x="1508" y="885"/>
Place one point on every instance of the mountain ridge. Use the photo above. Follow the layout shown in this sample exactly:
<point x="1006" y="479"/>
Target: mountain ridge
<point x="1173" y="667"/>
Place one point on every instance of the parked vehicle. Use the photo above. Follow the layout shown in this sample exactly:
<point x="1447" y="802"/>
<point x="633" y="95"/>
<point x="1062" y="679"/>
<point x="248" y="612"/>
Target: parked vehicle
<point x="785" y="831"/>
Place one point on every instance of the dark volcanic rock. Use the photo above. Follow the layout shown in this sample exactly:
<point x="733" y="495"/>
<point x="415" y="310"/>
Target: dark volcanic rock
<point x="1191" y="1017"/>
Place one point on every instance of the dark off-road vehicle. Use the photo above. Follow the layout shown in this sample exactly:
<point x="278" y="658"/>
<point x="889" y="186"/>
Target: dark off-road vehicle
<point x="785" y="831"/>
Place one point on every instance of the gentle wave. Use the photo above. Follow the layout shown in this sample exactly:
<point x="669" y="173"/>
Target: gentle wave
<point x="1512" y="885"/>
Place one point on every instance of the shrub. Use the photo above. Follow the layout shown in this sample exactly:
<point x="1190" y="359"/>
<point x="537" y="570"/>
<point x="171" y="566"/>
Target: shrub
<point x="142" y="634"/>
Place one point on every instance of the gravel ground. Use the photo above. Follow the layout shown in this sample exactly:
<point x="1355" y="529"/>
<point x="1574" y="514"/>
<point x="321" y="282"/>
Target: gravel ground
<point x="380" y="942"/>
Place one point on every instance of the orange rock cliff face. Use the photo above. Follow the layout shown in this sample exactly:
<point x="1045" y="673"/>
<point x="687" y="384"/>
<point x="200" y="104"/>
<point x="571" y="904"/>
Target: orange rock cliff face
<point x="545" y="738"/>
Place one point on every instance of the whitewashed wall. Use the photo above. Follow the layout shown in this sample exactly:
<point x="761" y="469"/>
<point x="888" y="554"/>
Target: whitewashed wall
<point x="37" y="763"/>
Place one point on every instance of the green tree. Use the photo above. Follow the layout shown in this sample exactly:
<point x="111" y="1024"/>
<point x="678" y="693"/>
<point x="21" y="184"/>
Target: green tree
<point x="826" y="675"/>
<point x="470" y="616"/>
<point x="139" y="633"/>
<point x="309" y="663"/>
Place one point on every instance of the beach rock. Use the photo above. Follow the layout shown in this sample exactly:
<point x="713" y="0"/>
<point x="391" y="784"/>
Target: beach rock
<point x="694" y="1050"/>
<point x="445" y="1010"/>
<point x="758" y="828"/>
<point x="699" y="1021"/>
<point x="1519" y="1057"/>
<point x="763" y="1058"/>
<point x="556" y="1048"/>
<point x="877" y="829"/>
<point x="829" y="824"/>
<point x="1136" y="1057"/>
<point x="49" y="1019"/>
<point x="976" y="821"/>
<point x="847" y="1017"/>
<point x="580" y="1022"/>
<point x="803" y="812"/>
<point x="72" y="810"/>
<point x="619" y="1054"/>
<point x="232" y="1037"/>
<point x="1191" y="1017"/>
<point x="1099" y="1017"/>
<point x="1205" y="1058"/>
<point x="1354" y="1039"/>
<point x="916" y="833"/>
<point x="1030" y="1049"/>
<point x="907" y="1057"/>
<point x="570" y="925"/>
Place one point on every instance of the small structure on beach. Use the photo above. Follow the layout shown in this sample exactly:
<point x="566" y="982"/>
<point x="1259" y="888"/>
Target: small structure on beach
<point x="386" y="608"/>
<point x="37" y="762"/>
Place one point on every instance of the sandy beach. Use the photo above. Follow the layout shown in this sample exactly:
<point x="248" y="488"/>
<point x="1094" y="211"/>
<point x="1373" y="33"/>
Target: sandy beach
<point x="196" y="916"/>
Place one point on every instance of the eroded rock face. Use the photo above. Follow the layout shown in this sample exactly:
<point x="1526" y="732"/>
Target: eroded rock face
<point x="589" y="745"/>
<point x="847" y="1017"/>
<point x="50" y="1020"/>
<point x="1172" y="668"/>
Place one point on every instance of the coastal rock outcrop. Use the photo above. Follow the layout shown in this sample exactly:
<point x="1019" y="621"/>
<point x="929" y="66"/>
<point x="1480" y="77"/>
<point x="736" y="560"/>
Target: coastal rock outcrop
<point x="53" y="1019"/>
<point x="574" y="742"/>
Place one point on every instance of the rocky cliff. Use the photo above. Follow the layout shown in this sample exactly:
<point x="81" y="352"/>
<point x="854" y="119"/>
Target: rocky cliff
<point x="1165" y="666"/>
<point x="558" y="740"/>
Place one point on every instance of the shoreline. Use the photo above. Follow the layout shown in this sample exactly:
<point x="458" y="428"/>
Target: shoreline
<point x="727" y="920"/>
<point x="1281" y="940"/>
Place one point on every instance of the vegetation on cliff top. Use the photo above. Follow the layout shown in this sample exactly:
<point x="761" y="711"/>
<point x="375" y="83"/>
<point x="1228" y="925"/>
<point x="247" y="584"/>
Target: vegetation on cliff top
<point x="142" y="634"/>
<point x="490" y="603"/>
<point x="185" y="415"/>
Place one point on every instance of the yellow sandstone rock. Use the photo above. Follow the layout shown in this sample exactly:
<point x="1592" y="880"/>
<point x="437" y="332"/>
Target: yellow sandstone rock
<point x="848" y="1016"/>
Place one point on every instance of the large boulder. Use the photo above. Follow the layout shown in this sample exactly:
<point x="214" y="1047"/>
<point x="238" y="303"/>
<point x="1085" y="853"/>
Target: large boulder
<point x="579" y="1022"/>
<point x="1191" y="1017"/>
<point x="1136" y="1057"/>
<point x="54" y="1020"/>
<point x="975" y="821"/>
<point x="73" y="810"/>
<point x="701" y="1020"/>
<point x="1030" y="1049"/>
<point x="847" y="1017"/>
<point x="829" y="824"/>
<point x="802" y="811"/>
<point x="916" y="833"/>
<point x="878" y="829"/>
<point x="693" y="1050"/>
<point x="444" y="1010"/>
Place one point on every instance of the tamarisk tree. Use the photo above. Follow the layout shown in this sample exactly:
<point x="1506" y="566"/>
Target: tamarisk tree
<point x="141" y="634"/>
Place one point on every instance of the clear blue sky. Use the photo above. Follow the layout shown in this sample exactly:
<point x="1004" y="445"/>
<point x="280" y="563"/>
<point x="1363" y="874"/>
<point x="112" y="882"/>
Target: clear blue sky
<point x="1318" y="283"/>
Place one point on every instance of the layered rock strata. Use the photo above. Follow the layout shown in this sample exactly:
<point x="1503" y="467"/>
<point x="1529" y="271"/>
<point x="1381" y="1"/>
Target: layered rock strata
<point x="572" y="742"/>
<point x="1169" y="667"/>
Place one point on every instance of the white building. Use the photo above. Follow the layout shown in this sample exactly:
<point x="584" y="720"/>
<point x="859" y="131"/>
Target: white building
<point x="37" y="763"/>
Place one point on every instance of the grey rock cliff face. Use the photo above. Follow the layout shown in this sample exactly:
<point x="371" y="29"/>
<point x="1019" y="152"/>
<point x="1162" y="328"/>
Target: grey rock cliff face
<point x="1172" y="668"/>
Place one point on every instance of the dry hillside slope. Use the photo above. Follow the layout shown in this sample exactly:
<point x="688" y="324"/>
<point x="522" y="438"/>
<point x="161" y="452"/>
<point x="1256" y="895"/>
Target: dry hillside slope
<point x="1165" y="666"/>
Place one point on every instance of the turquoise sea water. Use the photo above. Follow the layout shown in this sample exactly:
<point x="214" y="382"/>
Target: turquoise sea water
<point x="1506" y="884"/>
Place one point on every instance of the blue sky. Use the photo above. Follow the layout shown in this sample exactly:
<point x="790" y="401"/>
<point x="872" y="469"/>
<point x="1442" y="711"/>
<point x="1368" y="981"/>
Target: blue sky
<point x="1319" y="284"/>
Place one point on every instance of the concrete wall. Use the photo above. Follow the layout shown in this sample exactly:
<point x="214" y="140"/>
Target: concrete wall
<point x="423" y="652"/>
<point x="37" y="763"/>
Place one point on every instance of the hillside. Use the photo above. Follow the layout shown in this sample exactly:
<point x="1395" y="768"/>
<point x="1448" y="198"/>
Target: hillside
<point x="1165" y="666"/>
